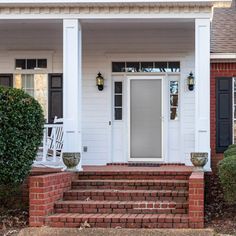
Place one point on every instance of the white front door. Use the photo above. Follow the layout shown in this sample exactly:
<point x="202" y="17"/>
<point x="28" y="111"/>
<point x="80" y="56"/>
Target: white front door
<point x="145" y="118"/>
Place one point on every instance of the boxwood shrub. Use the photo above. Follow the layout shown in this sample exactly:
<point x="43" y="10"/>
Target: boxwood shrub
<point x="232" y="146"/>
<point x="230" y="152"/>
<point x="227" y="174"/>
<point x="21" y="130"/>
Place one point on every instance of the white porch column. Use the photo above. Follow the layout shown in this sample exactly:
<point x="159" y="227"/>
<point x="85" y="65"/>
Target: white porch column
<point x="202" y="87"/>
<point x="72" y="76"/>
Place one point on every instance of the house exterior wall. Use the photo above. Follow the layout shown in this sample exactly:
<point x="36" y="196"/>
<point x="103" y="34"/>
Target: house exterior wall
<point x="218" y="69"/>
<point x="100" y="47"/>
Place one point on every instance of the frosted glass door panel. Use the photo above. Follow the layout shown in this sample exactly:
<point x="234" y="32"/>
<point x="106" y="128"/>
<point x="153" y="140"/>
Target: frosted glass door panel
<point x="145" y="119"/>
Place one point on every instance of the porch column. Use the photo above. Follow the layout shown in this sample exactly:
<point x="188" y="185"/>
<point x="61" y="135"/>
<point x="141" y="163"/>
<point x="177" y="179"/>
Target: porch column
<point x="72" y="72"/>
<point x="202" y="87"/>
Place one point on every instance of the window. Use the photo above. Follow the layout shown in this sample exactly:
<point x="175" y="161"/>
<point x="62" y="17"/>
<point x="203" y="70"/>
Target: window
<point x="174" y="100"/>
<point x="36" y="85"/>
<point x="30" y="64"/>
<point x="118" y="97"/>
<point x="149" y="66"/>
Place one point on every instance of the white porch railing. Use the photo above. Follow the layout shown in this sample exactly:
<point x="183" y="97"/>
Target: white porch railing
<point x="50" y="153"/>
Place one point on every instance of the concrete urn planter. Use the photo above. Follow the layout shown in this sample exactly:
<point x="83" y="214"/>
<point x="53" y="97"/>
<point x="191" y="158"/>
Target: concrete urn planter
<point x="71" y="160"/>
<point x="199" y="160"/>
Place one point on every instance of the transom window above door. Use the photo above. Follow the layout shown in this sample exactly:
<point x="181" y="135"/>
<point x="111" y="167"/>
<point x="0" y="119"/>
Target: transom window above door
<point x="148" y="66"/>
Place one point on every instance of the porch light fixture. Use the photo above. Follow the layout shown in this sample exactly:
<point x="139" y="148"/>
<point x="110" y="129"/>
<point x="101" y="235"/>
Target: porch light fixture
<point x="100" y="81"/>
<point x="190" y="82"/>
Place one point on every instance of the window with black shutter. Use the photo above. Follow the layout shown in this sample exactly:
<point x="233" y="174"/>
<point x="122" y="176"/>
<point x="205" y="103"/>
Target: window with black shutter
<point x="224" y="114"/>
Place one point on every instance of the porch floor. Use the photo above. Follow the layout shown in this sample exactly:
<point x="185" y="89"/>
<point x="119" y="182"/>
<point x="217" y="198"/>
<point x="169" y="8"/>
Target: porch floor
<point x="119" y="168"/>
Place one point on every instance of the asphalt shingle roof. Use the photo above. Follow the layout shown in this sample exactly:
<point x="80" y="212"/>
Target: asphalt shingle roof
<point x="223" y="30"/>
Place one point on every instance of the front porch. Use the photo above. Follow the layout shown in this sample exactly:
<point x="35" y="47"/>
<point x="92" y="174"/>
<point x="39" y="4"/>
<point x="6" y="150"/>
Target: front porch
<point x="105" y="126"/>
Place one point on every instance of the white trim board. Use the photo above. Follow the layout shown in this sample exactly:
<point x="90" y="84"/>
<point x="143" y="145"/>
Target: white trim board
<point x="223" y="55"/>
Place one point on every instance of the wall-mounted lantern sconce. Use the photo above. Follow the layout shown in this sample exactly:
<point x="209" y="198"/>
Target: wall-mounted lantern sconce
<point x="190" y="81"/>
<point x="100" y="81"/>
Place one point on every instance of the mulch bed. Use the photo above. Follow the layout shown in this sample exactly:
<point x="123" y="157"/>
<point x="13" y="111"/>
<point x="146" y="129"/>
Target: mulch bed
<point x="11" y="221"/>
<point x="218" y="214"/>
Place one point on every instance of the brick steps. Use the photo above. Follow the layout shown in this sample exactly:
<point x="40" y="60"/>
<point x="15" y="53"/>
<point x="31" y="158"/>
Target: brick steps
<point x="121" y="207"/>
<point x="130" y="175"/>
<point x="126" y="195"/>
<point x="157" y="198"/>
<point x="119" y="220"/>
<point x="125" y="184"/>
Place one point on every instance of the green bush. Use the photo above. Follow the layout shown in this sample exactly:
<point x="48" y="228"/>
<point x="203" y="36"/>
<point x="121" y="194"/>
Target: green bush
<point x="21" y="130"/>
<point x="232" y="146"/>
<point x="230" y="152"/>
<point x="227" y="175"/>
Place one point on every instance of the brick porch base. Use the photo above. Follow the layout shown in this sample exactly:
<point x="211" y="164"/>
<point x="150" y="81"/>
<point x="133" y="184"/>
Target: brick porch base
<point x="119" y="196"/>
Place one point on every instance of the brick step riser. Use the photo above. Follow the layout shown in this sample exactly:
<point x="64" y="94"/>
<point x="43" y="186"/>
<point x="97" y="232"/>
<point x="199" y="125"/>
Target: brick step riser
<point x="125" y="187"/>
<point x="144" y="176"/>
<point x="114" y="223"/>
<point x="120" y="211"/>
<point x="124" y="198"/>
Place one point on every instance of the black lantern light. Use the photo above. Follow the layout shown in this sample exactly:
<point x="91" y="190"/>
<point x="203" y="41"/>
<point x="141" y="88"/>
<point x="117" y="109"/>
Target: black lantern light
<point x="190" y="81"/>
<point x="100" y="81"/>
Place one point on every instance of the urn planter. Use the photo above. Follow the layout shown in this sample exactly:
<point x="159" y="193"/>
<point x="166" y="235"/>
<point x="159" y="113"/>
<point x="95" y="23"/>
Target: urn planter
<point x="71" y="160"/>
<point x="199" y="160"/>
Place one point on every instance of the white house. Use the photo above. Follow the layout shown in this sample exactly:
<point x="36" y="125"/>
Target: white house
<point x="144" y="50"/>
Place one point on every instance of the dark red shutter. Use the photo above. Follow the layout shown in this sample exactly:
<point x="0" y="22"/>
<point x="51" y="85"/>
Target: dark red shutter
<point x="224" y="116"/>
<point x="55" y="96"/>
<point x="6" y="80"/>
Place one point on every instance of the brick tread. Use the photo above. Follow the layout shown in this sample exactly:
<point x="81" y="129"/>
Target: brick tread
<point x="131" y="184"/>
<point x="148" y="207"/>
<point x="144" y="181"/>
<point x="126" y="195"/>
<point x="134" y="175"/>
<point x="97" y="191"/>
<point x="122" y="220"/>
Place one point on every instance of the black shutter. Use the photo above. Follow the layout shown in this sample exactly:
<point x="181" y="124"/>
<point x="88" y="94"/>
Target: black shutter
<point x="55" y="96"/>
<point x="224" y="122"/>
<point x="6" y="80"/>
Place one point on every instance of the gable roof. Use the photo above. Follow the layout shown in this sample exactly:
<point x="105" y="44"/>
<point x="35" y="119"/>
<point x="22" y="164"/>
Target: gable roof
<point x="223" y="30"/>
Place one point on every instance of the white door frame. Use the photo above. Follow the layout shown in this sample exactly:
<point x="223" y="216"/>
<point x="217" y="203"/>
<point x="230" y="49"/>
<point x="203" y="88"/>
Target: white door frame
<point x="163" y="120"/>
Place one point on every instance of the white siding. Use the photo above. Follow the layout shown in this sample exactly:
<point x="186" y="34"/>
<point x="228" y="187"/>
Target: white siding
<point x="100" y="46"/>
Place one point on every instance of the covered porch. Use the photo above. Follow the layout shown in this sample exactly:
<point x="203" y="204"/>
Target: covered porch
<point x="155" y="50"/>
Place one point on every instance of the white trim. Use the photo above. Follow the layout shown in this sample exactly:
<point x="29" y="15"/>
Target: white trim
<point x="67" y="2"/>
<point x="223" y="55"/>
<point x="32" y="54"/>
<point x="164" y="121"/>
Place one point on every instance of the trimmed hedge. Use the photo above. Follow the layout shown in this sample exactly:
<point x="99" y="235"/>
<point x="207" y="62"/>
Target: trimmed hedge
<point x="232" y="146"/>
<point x="21" y="131"/>
<point x="227" y="174"/>
<point x="230" y="152"/>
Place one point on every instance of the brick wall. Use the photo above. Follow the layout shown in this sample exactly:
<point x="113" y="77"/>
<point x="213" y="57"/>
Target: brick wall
<point x="43" y="192"/>
<point x="196" y="200"/>
<point x="217" y="70"/>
